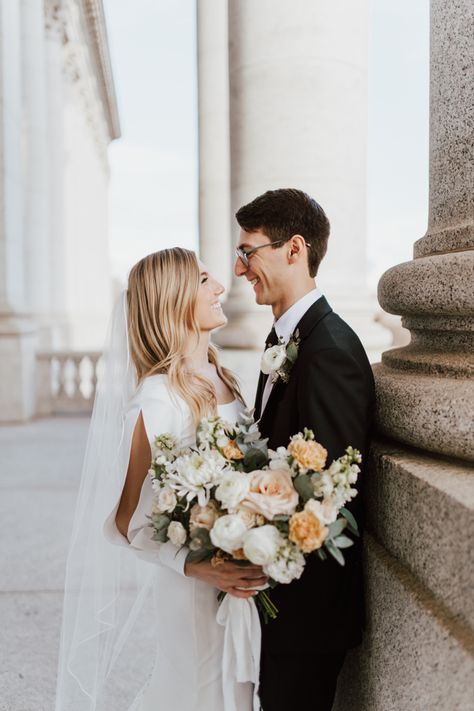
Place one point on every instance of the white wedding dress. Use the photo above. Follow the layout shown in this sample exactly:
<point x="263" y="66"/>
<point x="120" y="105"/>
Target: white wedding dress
<point x="192" y="646"/>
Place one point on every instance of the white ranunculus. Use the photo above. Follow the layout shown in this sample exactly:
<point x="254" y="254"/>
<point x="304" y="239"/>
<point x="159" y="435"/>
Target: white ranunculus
<point x="261" y="544"/>
<point x="177" y="533"/>
<point x="288" y="566"/>
<point x="325" y="511"/>
<point x="165" y="500"/>
<point x="228" y="532"/>
<point x="272" y="359"/>
<point x="232" y="490"/>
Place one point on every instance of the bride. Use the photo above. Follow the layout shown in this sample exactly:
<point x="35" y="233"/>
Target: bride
<point x="144" y="631"/>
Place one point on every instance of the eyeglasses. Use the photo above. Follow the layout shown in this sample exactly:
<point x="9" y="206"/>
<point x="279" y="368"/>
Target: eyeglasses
<point x="244" y="255"/>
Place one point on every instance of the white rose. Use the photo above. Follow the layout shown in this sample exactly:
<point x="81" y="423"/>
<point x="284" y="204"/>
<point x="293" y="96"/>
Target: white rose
<point x="272" y="359"/>
<point x="177" y="533"/>
<point x="325" y="511"/>
<point x="165" y="500"/>
<point x="228" y="533"/>
<point x="203" y="516"/>
<point x="261" y="544"/>
<point x="232" y="490"/>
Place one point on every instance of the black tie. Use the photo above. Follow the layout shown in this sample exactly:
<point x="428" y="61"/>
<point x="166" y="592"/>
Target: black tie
<point x="272" y="339"/>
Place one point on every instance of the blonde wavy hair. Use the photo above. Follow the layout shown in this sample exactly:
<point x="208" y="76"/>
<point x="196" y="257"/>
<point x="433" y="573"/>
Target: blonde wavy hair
<point x="161" y="296"/>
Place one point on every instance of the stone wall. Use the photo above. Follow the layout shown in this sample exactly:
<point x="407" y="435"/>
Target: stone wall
<point x="418" y="652"/>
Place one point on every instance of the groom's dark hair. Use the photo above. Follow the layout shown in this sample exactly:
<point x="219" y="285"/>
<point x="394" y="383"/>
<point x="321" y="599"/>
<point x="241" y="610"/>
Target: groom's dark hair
<point x="286" y="212"/>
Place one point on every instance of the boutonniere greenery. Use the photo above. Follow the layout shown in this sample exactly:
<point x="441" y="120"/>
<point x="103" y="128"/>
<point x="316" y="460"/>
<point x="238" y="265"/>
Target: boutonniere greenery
<point x="277" y="361"/>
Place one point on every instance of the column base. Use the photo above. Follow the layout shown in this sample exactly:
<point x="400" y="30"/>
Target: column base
<point x="18" y="345"/>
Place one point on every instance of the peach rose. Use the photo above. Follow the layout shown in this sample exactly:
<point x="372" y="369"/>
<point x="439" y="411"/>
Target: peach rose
<point x="308" y="454"/>
<point x="271" y="493"/>
<point x="231" y="451"/>
<point x="203" y="516"/>
<point x="307" y="531"/>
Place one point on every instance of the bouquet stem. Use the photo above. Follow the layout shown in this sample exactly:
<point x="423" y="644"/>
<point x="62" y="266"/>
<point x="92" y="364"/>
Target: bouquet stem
<point x="267" y="608"/>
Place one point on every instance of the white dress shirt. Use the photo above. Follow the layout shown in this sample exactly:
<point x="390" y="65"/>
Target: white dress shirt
<point x="285" y="326"/>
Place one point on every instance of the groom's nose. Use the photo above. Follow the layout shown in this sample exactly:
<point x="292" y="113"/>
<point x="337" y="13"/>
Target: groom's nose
<point x="239" y="267"/>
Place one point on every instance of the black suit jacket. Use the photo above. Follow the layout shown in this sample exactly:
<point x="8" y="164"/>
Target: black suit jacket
<point x="331" y="391"/>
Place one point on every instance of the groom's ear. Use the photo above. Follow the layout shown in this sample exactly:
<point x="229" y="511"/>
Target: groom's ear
<point x="296" y="246"/>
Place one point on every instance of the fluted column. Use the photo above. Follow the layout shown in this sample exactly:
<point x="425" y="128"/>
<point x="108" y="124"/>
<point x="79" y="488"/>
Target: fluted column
<point x="55" y="29"/>
<point x="298" y="118"/>
<point x="36" y="173"/>
<point x="214" y="143"/>
<point x="17" y="331"/>
<point x="426" y="390"/>
<point x="419" y="482"/>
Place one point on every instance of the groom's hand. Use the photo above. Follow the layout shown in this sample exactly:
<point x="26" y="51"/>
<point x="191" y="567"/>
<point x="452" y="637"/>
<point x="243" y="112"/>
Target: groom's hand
<point x="228" y="576"/>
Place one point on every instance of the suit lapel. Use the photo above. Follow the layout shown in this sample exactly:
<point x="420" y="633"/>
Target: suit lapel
<point x="312" y="317"/>
<point x="307" y="323"/>
<point x="258" y="397"/>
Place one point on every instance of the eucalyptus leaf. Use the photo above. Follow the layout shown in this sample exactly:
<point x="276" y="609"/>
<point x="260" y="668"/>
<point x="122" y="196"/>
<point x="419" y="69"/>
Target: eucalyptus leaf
<point x="161" y="535"/>
<point x="203" y="535"/>
<point x="198" y="556"/>
<point x="343" y="542"/>
<point x="335" y="552"/>
<point x="337" y="527"/>
<point x="254" y="459"/>
<point x="321" y="554"/>
<point x="304" y="486"/>
<point x="351" y="522"/>
<point x="292" y="352"/>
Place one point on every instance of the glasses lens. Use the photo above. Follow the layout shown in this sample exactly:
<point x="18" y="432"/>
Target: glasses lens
<point x="242" y="256"/>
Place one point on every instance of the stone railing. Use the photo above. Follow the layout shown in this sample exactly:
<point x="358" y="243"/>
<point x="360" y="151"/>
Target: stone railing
<point x="66" y="381"/>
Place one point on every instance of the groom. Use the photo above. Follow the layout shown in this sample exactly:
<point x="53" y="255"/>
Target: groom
<point x="283" y="238"/>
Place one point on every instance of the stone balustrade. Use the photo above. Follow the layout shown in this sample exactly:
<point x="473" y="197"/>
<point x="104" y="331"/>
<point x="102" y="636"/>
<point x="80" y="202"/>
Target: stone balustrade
<point x="66" y="381"/>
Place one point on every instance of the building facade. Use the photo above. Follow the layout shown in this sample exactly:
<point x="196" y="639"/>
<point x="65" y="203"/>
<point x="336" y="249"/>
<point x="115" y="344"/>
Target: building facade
<point x="58" y="114"/>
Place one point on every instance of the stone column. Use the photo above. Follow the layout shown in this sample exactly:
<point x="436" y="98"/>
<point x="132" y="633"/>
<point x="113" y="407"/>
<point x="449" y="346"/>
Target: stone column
<point x="214" y="143"/>
<point x="55" y="28"/>
<point x="419" y="488"/>
<point x="36" y="166"/>
<point x="298" y="118"/>
<point x="17" y="331"/>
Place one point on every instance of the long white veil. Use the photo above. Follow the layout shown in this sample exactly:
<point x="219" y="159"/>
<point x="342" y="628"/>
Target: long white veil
<point x="105" y="654"/>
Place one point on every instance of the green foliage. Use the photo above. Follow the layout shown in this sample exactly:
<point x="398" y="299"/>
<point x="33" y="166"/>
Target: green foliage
<point x="160" y="523"/>
<point x="337" y="527"/>
<point x="304" y="486"/>
<point x="254" y="459"/>
<point x="351" y="522"/>
<point x="343" y="542"/>
<point x="198" y="556"/>
<point x="334" y="551"/>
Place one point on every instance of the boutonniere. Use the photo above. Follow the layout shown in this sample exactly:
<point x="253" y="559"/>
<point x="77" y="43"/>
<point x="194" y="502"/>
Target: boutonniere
<point x="277" y="361"/>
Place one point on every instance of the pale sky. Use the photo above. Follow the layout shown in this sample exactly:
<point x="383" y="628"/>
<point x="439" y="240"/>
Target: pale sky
<point x="154" y="179"/>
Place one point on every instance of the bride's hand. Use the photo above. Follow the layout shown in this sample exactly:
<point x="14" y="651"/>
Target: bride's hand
<point x="228" y="577"/>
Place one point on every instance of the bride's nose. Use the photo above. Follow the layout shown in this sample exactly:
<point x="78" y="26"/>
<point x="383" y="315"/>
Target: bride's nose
<point x="219" y="289"/>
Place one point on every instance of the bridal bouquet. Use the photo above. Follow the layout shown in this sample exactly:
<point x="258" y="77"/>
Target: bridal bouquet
<point x="232" y="498"/>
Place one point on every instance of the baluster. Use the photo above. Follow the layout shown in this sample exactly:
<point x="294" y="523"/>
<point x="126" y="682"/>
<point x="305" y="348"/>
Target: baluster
<point x="77" y="378"/>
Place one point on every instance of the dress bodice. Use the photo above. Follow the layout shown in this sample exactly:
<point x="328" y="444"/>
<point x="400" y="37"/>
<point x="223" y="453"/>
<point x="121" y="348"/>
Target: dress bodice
<point x="162" y="412"/>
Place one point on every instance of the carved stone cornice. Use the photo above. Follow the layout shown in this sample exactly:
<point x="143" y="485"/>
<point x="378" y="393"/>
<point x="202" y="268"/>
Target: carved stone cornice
<point x="54" y="20"/>
<point x="81" y="23"/>
<point x="95" y="20"/>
